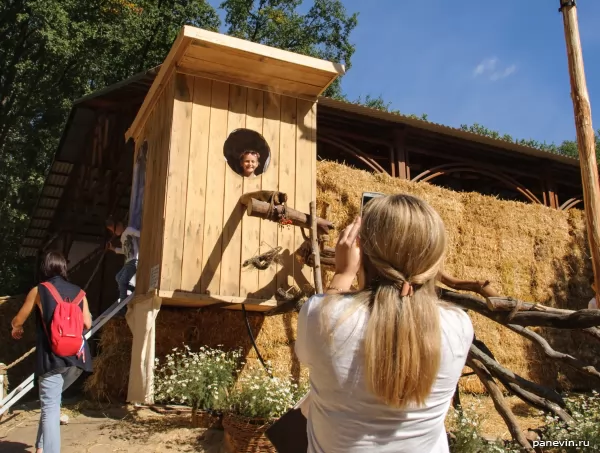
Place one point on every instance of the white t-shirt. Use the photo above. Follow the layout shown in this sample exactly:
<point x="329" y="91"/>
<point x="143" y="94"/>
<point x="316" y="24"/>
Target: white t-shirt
<point x="343" y="416"/>
<point x="593" y="305"/>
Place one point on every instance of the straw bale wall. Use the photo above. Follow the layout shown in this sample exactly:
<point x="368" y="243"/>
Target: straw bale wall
<point x="527" y="251"/>
<point x="176" y="327"/>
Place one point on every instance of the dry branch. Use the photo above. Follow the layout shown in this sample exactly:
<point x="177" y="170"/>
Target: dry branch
<point x="499" y="403"/>
<point x="581" y="319"/>
<point x="276" y="213"/>
<point x="481" y="287"/>
<point x="508" y="304"/>
<point x="536" y="401"/>
<point x="497" y="369"/>
<point x="528" y="397"/>
<point x="565" y="358"/>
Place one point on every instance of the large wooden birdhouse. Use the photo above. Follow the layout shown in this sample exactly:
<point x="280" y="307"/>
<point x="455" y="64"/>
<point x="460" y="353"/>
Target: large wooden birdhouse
<point x="224" y="117"/>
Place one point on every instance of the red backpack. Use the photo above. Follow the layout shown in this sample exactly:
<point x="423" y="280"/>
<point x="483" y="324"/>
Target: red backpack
<point x="66" y="327"/>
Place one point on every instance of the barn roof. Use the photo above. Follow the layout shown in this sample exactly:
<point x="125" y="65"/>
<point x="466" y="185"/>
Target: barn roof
<point x="70" y="152"/>
<point x="364" y="111"/>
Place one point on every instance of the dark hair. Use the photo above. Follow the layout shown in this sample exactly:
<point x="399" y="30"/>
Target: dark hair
<point x="592" y="279"/>
<point x="54" y="264"/>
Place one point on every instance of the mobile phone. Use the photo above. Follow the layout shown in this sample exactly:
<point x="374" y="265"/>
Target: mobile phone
<point x="368" y="196"/>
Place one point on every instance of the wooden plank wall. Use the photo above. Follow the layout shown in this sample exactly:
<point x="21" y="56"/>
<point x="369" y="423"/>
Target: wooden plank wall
<point x="157" y="132"/>
<point x="207" y="235"/>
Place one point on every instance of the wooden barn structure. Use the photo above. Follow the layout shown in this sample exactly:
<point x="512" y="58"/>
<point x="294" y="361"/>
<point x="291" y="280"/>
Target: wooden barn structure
<point x="174" y="134"/>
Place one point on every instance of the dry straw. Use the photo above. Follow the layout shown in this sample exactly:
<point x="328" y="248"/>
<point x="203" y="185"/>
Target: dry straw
<point x="527" y="251"/>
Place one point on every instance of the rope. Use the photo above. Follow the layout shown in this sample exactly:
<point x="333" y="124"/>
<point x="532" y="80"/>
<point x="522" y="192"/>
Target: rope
<point x="4" y="368"/>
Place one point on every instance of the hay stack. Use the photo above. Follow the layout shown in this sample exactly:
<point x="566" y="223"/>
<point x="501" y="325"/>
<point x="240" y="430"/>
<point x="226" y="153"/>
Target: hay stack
<point x="176" y="327"/>
<point x="527" y="251"/>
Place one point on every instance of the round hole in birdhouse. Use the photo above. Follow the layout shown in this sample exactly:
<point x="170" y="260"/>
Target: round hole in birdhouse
<point x="247" y="153"/>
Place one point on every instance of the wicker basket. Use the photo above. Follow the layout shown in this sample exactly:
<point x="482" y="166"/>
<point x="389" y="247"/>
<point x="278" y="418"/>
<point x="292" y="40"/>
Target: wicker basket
<point x="207" y="419"/>
<point x="248" y="434"/>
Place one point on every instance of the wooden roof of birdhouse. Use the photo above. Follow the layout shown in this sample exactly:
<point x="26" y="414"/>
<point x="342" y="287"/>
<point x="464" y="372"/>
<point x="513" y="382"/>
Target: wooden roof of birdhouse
<point x="215" y="56"/>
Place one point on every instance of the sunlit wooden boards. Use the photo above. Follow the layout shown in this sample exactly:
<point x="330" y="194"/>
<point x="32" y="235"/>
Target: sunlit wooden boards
<point x="196" y="235"/>
<point x="223" y="58"/>
<point x="206" y="236"/>
<point x="157" y="133"/>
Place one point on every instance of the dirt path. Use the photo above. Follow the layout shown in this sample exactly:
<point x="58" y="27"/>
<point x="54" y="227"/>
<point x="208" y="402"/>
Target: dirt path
<point x="120" y="430"/>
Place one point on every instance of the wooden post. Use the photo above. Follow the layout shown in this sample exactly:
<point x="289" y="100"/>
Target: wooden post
<point x="315" y="248"/>
<point x="586" y="139"/>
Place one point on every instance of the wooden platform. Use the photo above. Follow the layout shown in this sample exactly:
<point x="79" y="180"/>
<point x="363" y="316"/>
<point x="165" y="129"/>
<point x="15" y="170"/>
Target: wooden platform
<point x="194" y="300"/>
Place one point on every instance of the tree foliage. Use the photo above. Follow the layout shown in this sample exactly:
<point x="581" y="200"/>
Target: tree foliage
<point x="53" y="52"/>
<point x="322" y="32"/>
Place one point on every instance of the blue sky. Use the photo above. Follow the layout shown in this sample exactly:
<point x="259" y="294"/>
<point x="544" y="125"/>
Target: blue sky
<point x="501" y="64"/>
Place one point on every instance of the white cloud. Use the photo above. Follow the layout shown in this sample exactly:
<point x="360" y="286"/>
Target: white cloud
<point x="489" y="68"/>
<point x="487" y="65"/>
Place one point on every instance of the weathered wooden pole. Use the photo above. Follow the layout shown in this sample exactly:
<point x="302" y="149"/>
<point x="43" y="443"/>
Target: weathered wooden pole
<point x="586" y="140"/>
<point x="314" y="239"/>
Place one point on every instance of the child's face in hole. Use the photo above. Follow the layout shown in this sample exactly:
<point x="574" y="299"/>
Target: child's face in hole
<point x="249" y="164"/>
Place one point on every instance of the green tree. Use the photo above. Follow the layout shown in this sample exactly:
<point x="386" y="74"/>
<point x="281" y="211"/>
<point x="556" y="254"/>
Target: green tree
<point x="323" y="32"/>
<point x="51" y="53"/>
<point x="55" y="51"/>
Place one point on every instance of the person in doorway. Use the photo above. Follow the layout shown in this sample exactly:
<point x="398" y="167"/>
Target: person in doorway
<point x="593" y="304"/>
<point x="384" y="361"/>
<point x="130" y="249"/>
<point x="249" y="161"/>
<point x="54" y="373"/>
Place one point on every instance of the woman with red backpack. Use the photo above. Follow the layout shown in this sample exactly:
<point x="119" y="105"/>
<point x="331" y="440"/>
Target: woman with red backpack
<point x="62" y="352"/>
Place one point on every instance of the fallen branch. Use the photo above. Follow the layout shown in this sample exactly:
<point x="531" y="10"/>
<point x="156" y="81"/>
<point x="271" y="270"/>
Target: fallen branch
<point x="508" y="304"/>
<point x="477" y="286"/>
<point x="499" y="402"/>
<point x="536" y="401"/>
<point x="510" y="376"/>
<point x="276" y="213"/>
<point x="581" y="319"/>
<point x="528" y="397"/>
<point x="573" y="362"/>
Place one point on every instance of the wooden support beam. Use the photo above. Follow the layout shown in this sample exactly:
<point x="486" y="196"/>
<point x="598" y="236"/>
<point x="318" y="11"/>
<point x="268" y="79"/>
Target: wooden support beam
<point x="586" y="138"/>
<point x="264" y="210"/>
<point x="401" y="152"/>
<point x="316" y="252"/>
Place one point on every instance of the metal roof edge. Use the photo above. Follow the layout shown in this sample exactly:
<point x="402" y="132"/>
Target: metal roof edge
<point x="134" y="78"/>
<point x="446" y="130"/>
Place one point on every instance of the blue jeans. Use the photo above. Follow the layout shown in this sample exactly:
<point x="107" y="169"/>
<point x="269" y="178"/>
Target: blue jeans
<point x="124" y="277"/>
<point x="51" y="386"/>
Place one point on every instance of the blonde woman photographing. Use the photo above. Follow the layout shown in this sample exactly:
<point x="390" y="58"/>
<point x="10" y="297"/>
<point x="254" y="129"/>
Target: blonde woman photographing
<point x="385" y="360"/>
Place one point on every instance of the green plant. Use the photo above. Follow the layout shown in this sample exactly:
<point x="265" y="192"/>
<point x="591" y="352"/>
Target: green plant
<point x="584" y="433"/>
<point x="257" y="395"/>
<point x="465" y="436"/>
<point x="200" y="379"/>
